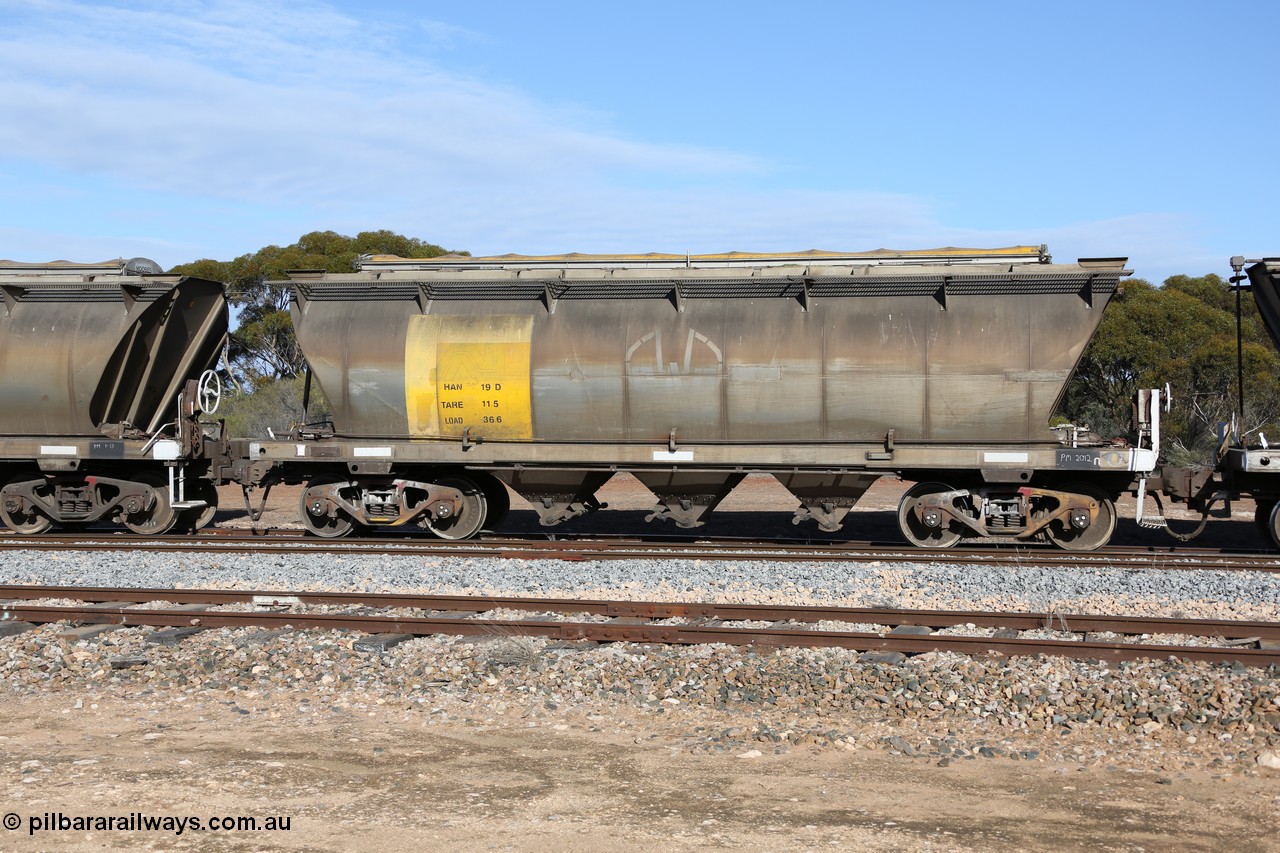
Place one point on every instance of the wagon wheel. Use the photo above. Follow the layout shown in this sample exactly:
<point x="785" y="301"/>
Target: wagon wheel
<point x="1262" y="517"/>
<point x="27" y="521"/>
<point x="314" y="513"/>
<point x="1095" y="535"/>
<point x="199" y="489"/>
<point x="1273" y="527"/>
<point x="161" y="517"/>
<point x="914" y="529"/>
<point x="468" y="520"/>
<point x="497" y="500"/>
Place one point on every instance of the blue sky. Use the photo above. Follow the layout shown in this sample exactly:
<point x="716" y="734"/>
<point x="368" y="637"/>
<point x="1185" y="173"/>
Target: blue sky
<point x="182" y="130"/>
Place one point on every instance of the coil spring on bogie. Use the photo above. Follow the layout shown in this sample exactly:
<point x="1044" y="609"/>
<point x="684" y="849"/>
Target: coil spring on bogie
<point x="1004" y="515"/>
<point x="382" y="510"/>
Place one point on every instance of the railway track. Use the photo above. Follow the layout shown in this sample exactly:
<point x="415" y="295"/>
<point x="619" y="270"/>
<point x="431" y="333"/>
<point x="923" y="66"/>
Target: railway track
<point x="596" y="547"/>
<point x="391" y="618"/>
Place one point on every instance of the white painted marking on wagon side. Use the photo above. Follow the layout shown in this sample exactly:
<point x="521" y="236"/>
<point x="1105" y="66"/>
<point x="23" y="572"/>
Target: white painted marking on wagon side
<point x="1004" y="457"/>
<point x="668" y="456"/>
<point x="301" y="449"/>
<point x="166" y="450"/>
<point x="58" y="450"/>
<point x="1142" y="460"/>
<point x="371" y="451"/>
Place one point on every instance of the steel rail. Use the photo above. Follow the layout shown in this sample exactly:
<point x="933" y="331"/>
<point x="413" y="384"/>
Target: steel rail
<point x="1071" y="622"/>
<point x="598" y="548"/>
<point x="457" y="615"/>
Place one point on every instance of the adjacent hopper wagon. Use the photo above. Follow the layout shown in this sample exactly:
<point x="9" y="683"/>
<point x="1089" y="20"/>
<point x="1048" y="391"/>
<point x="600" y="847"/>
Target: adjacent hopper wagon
<point x="1254" y="470"/>
<point x="449" y="377"/>
<point x="100" y="394"/>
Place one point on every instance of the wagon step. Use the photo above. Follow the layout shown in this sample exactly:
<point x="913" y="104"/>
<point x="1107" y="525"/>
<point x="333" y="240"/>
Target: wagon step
<point x="1150" y="522"/>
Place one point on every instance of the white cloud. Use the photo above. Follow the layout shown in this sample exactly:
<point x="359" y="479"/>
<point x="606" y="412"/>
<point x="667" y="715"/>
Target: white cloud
<point x="694" y="220"/>
<point x="444" y="34"/>
<point x="245" y="100"/>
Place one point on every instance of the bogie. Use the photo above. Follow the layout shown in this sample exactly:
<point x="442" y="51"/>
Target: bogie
<point x="451" y="506"/>
<point x="33" y="503"/>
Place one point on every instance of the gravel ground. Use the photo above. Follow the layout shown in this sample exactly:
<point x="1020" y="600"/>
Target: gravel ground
<point x="824" y="697"/>
<point x="1234" y="708"/>
<point x="1098" y="589"/>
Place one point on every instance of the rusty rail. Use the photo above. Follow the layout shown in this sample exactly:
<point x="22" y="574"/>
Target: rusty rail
<point x="618" y="548"/>
<point x="632" y="621"/>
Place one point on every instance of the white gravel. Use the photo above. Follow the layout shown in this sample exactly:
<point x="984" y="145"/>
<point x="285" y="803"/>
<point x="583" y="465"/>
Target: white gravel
<point x="1180" y="593"/>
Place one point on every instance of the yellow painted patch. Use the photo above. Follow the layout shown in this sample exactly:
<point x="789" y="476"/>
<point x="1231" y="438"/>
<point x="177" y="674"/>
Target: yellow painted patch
<point x="469" y="371"/>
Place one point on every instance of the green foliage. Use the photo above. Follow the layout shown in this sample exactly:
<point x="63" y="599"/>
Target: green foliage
<point x="1183" y="334"/>
<point x="273" y="404"/>
<point x="263" y="346"/>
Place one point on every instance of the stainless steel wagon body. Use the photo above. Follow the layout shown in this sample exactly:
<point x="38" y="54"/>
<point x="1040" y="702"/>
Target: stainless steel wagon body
<point x="96" y="361"/>
<point x="825" y="369"/>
